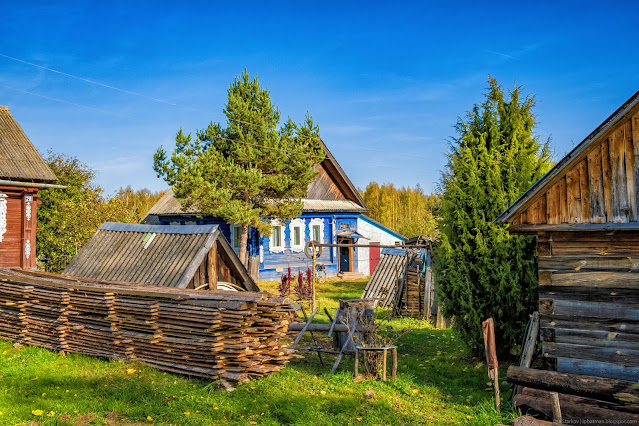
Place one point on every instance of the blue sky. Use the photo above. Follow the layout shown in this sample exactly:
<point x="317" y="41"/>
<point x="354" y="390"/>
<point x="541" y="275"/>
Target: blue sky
<point x="385" y="81"/>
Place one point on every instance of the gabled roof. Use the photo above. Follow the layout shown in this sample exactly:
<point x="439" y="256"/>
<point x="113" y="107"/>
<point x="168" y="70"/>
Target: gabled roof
<point x="340" y="177"/>
<point x="586" y="185"/>
<point x="331" y="191"/>
<point x="383" y="227"/>
<point x="162" y="255"/>
<point x="19" y="160"/>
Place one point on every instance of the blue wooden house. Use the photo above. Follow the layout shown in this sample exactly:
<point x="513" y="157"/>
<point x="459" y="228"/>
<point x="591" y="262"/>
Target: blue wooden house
<point x="332" y="213"/>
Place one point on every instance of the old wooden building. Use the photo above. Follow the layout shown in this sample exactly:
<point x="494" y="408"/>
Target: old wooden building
<point x="585" y="214"/>
<point x="23" y="172"/>
<point x="191" y="257"/>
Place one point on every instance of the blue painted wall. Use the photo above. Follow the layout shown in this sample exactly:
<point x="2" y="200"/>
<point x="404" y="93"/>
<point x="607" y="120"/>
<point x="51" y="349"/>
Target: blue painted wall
<point x="273" y="264"/>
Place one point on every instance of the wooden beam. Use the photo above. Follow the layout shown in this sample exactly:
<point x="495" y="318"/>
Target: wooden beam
<point x="604" y="389"/>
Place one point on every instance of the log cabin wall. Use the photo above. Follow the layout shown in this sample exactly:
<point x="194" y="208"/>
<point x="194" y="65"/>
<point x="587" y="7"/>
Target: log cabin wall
<point x="589" y="302"/>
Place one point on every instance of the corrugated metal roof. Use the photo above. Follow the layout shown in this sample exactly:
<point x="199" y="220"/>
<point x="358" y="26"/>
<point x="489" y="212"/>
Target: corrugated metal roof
<point x="383" y="283"/>
<point x="19" y="160"/>
<point x="160" y="255"/>
<point x="331" y="206"/>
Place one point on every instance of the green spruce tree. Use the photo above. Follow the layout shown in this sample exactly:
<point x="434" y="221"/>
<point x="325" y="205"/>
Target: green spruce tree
<point x="482" y="270"/>
<point x="248" y="170"/>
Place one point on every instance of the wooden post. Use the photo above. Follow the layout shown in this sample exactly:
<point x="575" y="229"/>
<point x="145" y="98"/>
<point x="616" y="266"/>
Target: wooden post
<point x="394" y="371"/>
<point x="488" y="329"/>
<point x="528" y="350"/>
<point x="385" y="352"/>
<point x="313" y="275"/>
<point x="356" y="362"/>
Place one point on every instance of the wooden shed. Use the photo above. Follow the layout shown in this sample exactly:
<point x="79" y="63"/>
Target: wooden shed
<point x="191" y="256"/>
<point x="23" y="172"/>
<point x="585" y="214"/>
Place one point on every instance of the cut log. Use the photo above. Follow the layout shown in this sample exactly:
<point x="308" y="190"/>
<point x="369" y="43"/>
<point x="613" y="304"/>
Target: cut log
<point x="613" y="390"/>
<point x="569" y="410"/>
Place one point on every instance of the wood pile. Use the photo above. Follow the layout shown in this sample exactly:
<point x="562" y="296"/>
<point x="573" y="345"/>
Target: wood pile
<point x="230" y="335"/>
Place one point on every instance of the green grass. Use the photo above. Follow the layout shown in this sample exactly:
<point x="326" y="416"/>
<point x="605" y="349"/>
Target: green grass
<point x="437" y="384"/>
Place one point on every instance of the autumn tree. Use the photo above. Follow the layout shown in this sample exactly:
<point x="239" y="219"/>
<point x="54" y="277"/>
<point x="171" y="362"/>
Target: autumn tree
<point x="247" y="170"/>
<point x="482" y="270"/>
<point x="68" y="217"/>
<point x="406" y="210"/>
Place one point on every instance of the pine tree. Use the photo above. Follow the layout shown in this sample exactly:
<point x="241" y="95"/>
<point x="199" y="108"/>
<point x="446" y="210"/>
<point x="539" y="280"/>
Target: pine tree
<point x="482" y="270"/>
<point x="248" y="170"/>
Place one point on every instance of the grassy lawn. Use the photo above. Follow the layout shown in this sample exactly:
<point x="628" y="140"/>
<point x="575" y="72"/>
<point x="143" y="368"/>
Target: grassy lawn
<point x="437" y="384"/>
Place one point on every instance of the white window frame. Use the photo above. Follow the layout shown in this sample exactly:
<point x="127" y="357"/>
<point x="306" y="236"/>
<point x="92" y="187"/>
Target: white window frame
<point x="316" y="222"/>
<point x="301" y="225"/>
<point x="273" y="248"/>
<point x="236" y="244"/>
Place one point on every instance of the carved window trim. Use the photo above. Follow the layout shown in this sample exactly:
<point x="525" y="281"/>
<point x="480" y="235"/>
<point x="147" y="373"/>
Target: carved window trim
<point x="278" y="227"/>
<point x="3" y="215"/>
<point x="299" y="225"/>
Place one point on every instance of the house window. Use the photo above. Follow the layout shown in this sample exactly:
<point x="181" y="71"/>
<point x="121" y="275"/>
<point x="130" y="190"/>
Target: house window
<point x="317" y="230"/>
<point x="297" y="228"/>
<point x="236" y="236"/>
<point x="276" y="242"/>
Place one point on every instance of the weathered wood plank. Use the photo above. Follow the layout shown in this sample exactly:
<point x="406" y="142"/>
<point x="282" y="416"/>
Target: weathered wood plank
<point x="571" y="409"/>
<point x="585" y="279"/>
<point x="584" y="190"/>
<point x="620" y="356"/>
<point x="599" y="249"/>
<point x="595" y="368"/>
<point x="618" y="180"/>
<point x="626" y="296"/>
<point x="634" y="130"/>
<point x="577" y="237"/>
<point x="607" y="179"/>
<point x="552" y="205"/>
<point x="562" y="263"/>
<point x="596" y="191"/>
<point x="629" y="157"/>
<point x="569" y="308"/>
<point x="563" y="203"/>
<point x="573" y="193"/>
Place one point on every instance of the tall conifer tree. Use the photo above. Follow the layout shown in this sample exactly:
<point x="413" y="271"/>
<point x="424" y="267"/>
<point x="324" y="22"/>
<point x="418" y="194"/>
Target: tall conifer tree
<point x="249" y="169"/>
<point x="482" y="270"/>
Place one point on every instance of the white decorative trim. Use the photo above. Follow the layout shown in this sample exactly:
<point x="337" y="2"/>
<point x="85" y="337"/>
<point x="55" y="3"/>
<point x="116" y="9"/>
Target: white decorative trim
<point x="27" y="207"/>
<point x="297" y="223"/>
<point x="271" y="247"/>
<point x="314" y="222"/>
<point x="261" y="253"/>
<point x="3" y="215"/>
<point x="27" y="249"/>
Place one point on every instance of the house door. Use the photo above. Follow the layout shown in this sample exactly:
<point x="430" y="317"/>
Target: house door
<point x="345" y="255"/>
<point x="373" y="256"/>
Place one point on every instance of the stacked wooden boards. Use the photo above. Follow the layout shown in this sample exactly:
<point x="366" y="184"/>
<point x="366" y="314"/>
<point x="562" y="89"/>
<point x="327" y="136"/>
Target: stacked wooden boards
<point x="418" y="293"/>
<point x="231" y="335"/>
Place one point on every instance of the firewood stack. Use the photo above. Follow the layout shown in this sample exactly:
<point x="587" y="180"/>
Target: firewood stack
<point x="230" y="335"/>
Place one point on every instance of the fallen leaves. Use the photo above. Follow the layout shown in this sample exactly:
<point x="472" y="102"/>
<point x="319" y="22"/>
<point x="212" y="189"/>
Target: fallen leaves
<point x="130" y="370"/>
<point x="37" y="412"/>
